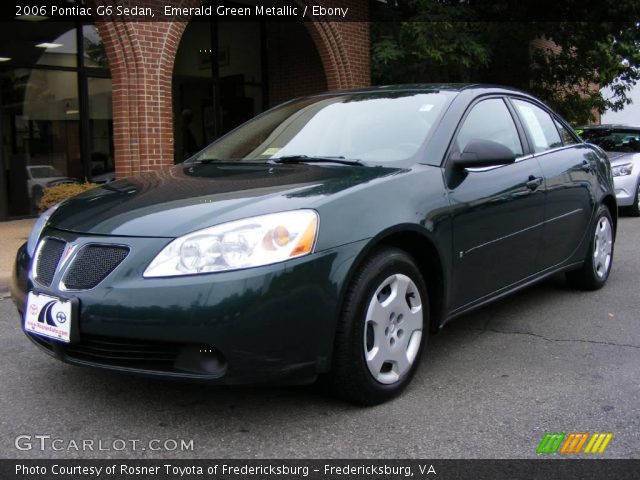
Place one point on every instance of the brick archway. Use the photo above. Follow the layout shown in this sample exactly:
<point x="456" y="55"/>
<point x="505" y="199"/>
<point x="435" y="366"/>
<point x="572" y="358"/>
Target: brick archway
<point x="141" y="58"/>
<point x="346" y="63"/>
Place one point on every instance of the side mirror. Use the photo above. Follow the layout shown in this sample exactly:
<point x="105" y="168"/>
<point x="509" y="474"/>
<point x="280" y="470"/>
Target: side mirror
<point x="483" y="153"/>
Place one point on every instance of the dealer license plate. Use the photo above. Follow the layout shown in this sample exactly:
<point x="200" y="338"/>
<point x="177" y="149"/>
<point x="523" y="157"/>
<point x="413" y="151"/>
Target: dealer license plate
<point x="48" y="316"/>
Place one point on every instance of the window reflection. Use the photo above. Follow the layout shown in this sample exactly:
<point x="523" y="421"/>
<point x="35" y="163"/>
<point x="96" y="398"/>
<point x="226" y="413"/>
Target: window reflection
<point x="94" y="53"/>
<point x="61" y="51"/>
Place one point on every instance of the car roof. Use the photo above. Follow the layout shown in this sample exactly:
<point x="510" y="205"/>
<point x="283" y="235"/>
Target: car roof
<point x="430" y="87"/>
<point x="610" y="126"/>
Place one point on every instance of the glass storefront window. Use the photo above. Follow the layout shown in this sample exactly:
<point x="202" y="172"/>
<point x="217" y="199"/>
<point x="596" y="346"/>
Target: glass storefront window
<point x="239" y="51"/>
<point x="56" y="121"/>
<point x="218" y="82"/>
<point x="101" y="130"/>
<point x="40" y="134"/>
<point x="194" y="114"/>
<point x="39" y="43"/>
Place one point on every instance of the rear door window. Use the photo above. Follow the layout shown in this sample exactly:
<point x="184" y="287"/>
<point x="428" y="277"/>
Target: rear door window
<point x="540" y="126"/>
<point x="567" y="137"/>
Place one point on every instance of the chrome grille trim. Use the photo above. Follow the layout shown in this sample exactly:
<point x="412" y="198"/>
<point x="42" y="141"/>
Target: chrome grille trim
<point x="47" y="260"/>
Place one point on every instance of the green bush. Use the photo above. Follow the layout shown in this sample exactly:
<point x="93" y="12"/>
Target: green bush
<point x="58" y="193"/>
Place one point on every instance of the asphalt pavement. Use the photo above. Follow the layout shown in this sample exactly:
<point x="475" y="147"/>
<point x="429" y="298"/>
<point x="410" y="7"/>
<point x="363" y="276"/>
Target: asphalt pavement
<point x="492" y="383"/>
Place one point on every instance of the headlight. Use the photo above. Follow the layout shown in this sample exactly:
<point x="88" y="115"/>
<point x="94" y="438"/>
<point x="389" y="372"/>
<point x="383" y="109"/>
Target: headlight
<point x="34" y="236"/>
<point x="251" y="242"/>
<point x="622" y="170"/>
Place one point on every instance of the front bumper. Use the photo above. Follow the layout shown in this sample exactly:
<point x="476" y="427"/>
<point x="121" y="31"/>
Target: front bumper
<point x="272" y="324"/>
<point x="626" y="189"/>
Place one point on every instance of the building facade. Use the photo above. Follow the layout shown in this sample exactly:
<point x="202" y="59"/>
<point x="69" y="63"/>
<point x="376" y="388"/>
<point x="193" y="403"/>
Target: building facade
<point x="112" y="98"/>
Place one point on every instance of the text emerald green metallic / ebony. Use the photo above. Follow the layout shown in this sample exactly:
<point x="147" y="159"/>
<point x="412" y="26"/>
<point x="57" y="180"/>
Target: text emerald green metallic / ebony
<point x="326" y="237"/>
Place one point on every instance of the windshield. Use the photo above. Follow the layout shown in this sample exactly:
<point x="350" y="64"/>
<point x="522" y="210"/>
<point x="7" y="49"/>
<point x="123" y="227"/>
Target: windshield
<point x="376" y="127"/>
<point x="614" y="139"/>
<point x="44" y="172"/>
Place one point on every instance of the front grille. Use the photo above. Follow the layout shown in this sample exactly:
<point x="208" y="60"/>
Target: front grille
<point x="92" y="264"/>
<point x="48" y="259"/>
<point x="124" y="352"/>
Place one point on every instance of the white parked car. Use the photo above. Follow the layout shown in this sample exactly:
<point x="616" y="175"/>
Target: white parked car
<point x="40" y="177"/>
<point x="622" y="144"/>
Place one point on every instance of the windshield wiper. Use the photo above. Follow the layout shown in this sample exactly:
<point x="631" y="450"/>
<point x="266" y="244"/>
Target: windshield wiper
<point x="311" y="159"/>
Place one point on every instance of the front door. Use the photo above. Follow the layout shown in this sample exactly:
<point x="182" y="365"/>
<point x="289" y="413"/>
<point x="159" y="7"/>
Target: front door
<point x="497" y="211"/>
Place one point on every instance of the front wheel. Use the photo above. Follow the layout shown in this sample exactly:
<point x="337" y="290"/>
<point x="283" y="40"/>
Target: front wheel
<point x="382" y="329"/>
<point x="597" y="264"/>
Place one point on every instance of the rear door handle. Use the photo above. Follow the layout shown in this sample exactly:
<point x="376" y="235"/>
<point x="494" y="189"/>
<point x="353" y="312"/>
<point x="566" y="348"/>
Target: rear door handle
<point x="533" y="182"/>
<point x="587" y="166"/>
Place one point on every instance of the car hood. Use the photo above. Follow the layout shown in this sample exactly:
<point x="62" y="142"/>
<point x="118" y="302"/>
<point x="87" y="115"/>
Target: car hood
<point x="617" y="158"/>
<point x="173" y="202"/>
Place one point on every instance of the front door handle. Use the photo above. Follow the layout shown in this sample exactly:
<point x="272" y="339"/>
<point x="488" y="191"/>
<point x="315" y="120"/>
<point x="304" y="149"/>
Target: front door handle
<point x="533" y="182"/>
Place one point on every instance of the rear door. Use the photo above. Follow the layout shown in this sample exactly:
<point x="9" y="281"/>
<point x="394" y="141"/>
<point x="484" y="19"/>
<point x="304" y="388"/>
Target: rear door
<point x="497" y="211"/>
<point x="569" y="169"/>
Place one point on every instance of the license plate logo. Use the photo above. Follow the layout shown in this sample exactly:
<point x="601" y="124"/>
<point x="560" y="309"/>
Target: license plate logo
<point x="48" y="316"/>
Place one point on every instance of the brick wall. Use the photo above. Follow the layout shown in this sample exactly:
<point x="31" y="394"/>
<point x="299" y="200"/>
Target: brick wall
<point x="343" y="46"/>
<point x="141" y="57"/>
<point x="549" y="47"/>
<point x="295" y="67"/>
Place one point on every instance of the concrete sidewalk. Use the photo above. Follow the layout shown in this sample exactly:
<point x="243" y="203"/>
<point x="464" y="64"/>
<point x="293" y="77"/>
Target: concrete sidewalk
<point x="12" y="234"/>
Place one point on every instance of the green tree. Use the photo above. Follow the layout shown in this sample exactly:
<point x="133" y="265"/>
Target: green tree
<point x="594" y="45"/>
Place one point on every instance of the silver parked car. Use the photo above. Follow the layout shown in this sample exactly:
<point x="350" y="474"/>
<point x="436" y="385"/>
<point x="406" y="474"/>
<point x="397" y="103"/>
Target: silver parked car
<point x="622" y="144"/>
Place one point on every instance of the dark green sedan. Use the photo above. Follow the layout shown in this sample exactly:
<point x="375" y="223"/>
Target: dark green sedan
<point x="326" y="237"/>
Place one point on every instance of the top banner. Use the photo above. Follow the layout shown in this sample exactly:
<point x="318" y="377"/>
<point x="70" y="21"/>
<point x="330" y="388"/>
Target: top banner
<point x="177" y="11"/>
<point x="319" y="10"/>
<point x="168" y="12"/>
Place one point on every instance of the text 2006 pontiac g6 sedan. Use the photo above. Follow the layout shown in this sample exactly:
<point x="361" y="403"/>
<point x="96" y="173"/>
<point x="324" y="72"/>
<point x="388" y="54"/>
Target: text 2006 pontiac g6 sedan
<point x="327" y="236"/>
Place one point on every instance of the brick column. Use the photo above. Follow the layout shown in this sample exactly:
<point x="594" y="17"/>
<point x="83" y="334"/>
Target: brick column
<point x="141" y="57"/>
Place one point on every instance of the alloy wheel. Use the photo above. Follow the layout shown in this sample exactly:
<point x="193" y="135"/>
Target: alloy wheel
<point x="602" y="247"/>
<point x="393" y="328"/>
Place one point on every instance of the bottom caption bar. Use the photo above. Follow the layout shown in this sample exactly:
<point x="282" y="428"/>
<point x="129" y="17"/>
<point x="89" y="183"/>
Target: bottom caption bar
<point x="318" y="469"/>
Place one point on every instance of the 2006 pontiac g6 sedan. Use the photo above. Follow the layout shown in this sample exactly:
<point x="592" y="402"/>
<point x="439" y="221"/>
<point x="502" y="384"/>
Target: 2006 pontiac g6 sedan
<point x="328" y="236"/>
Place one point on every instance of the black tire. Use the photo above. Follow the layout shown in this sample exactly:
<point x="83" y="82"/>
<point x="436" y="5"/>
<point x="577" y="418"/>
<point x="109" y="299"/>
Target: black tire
<point x="587" y="277"/>
<point x="350" y="377"/>
<point x="634" y="210"/>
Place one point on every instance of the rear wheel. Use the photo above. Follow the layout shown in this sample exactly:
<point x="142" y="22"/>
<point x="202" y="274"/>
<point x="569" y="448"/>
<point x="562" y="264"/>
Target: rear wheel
<point x="597" y="264"/>
<point x="382" y="330"/>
